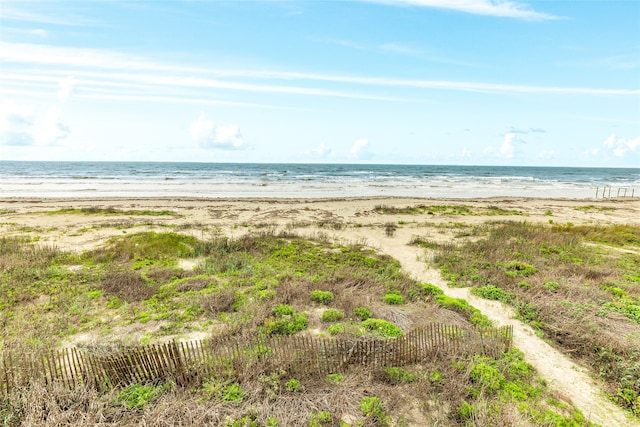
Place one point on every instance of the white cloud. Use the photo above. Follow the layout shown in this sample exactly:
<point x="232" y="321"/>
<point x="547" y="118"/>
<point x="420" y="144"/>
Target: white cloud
<point x="16" y="122"/>
<point x="466" y="153"/>
<point x="321" y="151"/>
<point x="207" y="135"/>
<point x="507" y="149"/>
<point x="591" y="153"/>
<point x="66" y="87"/>
<point x="547" y="154"/>
<point x="53" y="128"/>
<point x="147" y="75"/>
<point x="20" y="125"/>
<point x="620" y="147"/>
<point x="500" y="8"/>
<point x="360" y="149"/>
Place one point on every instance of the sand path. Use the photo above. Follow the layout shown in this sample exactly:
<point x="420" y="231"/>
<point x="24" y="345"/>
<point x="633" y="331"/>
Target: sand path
<point x="563" y="375"/>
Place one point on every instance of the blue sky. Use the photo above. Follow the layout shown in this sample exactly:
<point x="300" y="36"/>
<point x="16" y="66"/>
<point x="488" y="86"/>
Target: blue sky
<point x="471" y="82"/>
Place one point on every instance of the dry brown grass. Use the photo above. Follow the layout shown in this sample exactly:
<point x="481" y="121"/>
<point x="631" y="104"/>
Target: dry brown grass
<point x="127" y="285"/>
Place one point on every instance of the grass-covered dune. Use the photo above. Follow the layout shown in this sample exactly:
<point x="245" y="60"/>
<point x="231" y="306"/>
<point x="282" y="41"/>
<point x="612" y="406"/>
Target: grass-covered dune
<point x="148" y="287"/>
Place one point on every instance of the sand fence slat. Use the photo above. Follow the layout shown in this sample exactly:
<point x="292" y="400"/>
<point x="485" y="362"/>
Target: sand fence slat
<point x="185" y="362"/>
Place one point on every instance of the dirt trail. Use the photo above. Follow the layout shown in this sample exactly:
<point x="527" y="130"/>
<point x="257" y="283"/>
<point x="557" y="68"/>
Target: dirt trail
<point x="563" y="375"/>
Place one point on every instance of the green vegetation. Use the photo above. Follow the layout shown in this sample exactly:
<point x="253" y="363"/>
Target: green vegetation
<point x="332" y="315"/>
<point x="247" y="287"/>
<point x="445" y="210"/>
<point x="373" y="409"/>
<point x="362" y="313"/>
<point x="399" y="376"/>
<point x="322" y="297"/>
<point x="137" y="396"/>
<point x="382" y="328"/>
<point x="566" y="289"/>
<point x="394" y="298"/>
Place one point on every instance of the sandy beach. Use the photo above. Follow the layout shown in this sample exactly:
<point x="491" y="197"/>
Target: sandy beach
<point x="69" y="225"/>
<point x="358" y="216"/>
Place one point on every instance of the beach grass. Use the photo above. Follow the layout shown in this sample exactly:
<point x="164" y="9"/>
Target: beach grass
<point x="135" y="289"/>
<point x="573" y="284"/>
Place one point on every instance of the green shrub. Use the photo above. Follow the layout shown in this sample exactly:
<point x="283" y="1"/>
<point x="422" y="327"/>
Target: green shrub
<point x="424" y="291"/>
<point x="320" y="419"/>
<point x="322" y="297"/>
<point x="462" y="306"/>
<point x="362" y="313"/>
<point x="137" y="396"/>
<point x="399" y="376"/>
<point x="492" y="292"/>
<point x="292" y="385"/>
<point x="382" y="328"/>
<point x="394" y="299"/>
<point x="233" y="393"/>
<point x="283" y="310"/>
<point x="336" y="378"/>
<point x="286" y="325"/>
<point x="336" y="329"/>
<point x="332" y="315"/>
<point x="517" y="269"/>
<point x="551" y="286"/>
<point x="465" y="411"/>
<point x="372" y="408"/>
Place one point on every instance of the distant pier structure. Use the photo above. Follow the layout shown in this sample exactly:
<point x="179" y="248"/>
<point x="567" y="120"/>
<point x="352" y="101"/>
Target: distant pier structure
<point x="608" y="192"/>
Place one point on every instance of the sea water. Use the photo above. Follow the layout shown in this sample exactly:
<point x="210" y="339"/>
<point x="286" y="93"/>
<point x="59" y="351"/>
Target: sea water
<point x="244" y="180"/>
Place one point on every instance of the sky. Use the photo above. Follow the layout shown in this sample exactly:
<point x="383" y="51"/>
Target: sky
<point x="459" y="82"/>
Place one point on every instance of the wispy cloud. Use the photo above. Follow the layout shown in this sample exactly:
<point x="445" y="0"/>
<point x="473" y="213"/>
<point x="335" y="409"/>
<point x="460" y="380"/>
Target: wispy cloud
<point x="499" y="8"/>
<point x="96" y="70"/>
<point x="33" y="12"/>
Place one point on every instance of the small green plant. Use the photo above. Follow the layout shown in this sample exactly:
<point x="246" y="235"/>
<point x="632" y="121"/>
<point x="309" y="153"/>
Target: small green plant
<point x="286" y="324"/>
<point x="293" y="385"/>
<point x="336" y="378"/>
<point x="424" y="292"/>
<point x="492" y="292"/>
<point x="373" y="409"/>
<point x="322" y="297"/>
<point x="382" y="328"/>
<point x="233" y="393"/>
<point x="137" y="396"/>
<point x="517" y="269"/>
<point x="398" y="376"/>
<point x="321" y="419"/>
<point x="465" y="411"/>
<point x="332" y="315"/>
<point x="394" y="299"/>
<point x="436" y="377"/>
<point x="362" y="313"/>
<point x="551" y="286"/>
<point x="283" y="310"/>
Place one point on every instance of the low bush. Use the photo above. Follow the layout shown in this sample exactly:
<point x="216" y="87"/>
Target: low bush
<point x="382" y="328"/>
<point x="394" y="299"/>
<point x="398" y="376"/>
<point x="322" y="297"/>
<point x="332" y="315"/>
<point x="362" y="313"/>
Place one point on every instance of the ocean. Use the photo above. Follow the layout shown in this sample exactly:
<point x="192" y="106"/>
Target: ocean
<point x="244" y="180"/>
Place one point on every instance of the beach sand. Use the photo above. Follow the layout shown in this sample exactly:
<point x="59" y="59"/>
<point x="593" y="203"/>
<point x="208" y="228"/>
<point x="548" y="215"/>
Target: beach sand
<point x="350" y="219"/>
<point x="357" y="220"/>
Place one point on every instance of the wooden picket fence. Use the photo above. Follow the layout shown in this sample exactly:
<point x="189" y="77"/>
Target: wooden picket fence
<point x="191" y="361"/>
